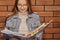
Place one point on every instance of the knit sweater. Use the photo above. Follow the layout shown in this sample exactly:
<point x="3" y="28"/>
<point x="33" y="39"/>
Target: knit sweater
<point x="23" y="29"/>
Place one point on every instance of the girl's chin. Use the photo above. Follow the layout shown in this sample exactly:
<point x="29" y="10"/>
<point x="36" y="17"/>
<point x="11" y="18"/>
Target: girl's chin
<point x="22" y="11"/>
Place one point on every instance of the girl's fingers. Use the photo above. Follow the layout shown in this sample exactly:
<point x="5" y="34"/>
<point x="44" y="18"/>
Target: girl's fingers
<point x="35" y="38"/>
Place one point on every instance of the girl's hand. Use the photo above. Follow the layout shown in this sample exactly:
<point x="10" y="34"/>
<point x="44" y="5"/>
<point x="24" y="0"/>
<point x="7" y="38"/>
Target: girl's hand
<point x="35" y="38"/>
<point x="15" y="38"/>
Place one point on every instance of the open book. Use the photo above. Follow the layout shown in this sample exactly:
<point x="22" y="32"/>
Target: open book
<point x="42" y="27"/>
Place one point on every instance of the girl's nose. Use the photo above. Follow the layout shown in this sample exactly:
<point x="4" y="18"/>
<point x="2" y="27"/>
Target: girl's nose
<point x="22" y="7"/>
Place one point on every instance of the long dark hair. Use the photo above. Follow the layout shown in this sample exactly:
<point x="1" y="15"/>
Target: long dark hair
<point x="15" y="8"/>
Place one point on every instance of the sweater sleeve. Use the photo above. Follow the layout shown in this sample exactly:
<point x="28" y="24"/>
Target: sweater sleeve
<point x="36" y="19"/>
<point x="38" y="23"/>
<point x="9" y="23"/>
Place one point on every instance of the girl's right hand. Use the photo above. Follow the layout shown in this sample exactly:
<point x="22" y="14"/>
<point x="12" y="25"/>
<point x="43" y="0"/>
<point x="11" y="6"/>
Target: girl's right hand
<point x="35" y="38"/>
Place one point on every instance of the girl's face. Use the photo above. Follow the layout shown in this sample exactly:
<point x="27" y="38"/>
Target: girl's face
<point x="22" y="6"/>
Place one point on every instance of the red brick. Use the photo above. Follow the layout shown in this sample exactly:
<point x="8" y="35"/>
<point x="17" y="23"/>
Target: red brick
<point x="1" y="35"/>
<point x="50" y="25"/>
<point x="47" y="19"/>
<point x="52" y="30"/>
<point x="47" y="35"/>
<point x="3" y="8"/>
<point x="44" y="2"/>
<point x="3" y="13"/>
<point x="2" y="39"/>
<point x="37" y="8"/>
<point x="57" y="25"/>
<point x="11" y="2"/>
<point x="3" y="3"/>
<point x="2" y="19"/>
<point x="2" y="25"/>
<point x="10" y="8"/>
<point x="49" y="30"/>
<point x="46" y="13"/>
<point x="52" y="39"/>
<point x="2" y="28"/>
<point x="33" y="2"/>
<point x="56" y="13"/>
<point x="41" y="19"/>
<point x="56" y="35"/>
<point x="57" y="2"/>
<point x="52" y="8"/>
<point x="56" y="19"/>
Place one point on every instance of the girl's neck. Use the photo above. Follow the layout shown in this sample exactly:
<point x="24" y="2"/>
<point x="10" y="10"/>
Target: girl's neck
<point x="23" y="13"/>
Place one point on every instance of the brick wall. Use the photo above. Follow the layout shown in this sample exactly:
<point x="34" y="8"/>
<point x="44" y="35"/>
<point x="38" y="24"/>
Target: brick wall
<point x="47" y="9"/>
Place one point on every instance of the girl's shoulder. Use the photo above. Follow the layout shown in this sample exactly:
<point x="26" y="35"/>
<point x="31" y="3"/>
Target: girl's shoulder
<point x="35" y="14"/>
<point x="11" y="17"/>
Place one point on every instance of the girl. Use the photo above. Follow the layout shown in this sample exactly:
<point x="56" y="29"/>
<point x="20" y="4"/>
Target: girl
<point x="23" y="20"/>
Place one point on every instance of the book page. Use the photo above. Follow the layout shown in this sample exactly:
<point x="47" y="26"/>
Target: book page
<point x="13" y="33"/>
<point x="42" y="27"/>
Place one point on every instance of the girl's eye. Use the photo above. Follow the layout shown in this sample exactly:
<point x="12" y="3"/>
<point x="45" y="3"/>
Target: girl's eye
<point x="22" y="5"/>
<point x="25" y="5"/>
<point x="19" y="4"/>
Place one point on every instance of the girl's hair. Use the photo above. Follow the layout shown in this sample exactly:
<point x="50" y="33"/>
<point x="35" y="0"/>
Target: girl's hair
<point x="15" y="9"/>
